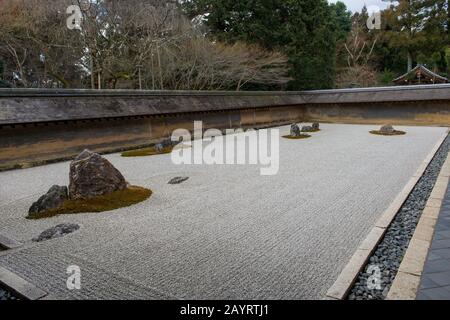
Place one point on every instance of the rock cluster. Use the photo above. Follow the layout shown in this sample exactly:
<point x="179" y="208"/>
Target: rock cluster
<point x="57" y="232"/>
<point x="90" y="176"/>
<point x="295" y="130"/>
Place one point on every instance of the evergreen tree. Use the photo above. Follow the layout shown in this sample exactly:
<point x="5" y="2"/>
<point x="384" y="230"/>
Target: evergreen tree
<point x="447" y="59"/>
<point x="406" y="26"/>
<point x="306" y="30"/>
<point x="418" y="29"/>
<point x="342" y="20"/>
<point x="3" y="83"/>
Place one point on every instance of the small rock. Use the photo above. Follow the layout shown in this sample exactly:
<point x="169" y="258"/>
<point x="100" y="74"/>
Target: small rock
<point x="57" y="232"/>
<point x="316" y="126"/>
<point x="53" y="199"/>
<point x="307" y="129"/>
<point x="166" y="143"/>
<point x="387" y="129"/>
<point x="178" y="180"/>
<point x="91" y="176"/>
<point x="295" y="130"/>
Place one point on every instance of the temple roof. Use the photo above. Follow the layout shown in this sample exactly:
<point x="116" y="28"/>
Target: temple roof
<point x="420" y="75"/>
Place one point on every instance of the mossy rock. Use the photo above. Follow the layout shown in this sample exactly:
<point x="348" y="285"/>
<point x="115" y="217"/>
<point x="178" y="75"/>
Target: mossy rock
<point x="145" y="152"/>
<point x="381" y="133"/>
<point x="115" y="200"/>
<point x="302" y="136"/>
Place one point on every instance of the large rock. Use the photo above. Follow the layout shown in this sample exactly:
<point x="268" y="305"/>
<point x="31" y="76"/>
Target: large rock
<point x="295" y="130"/>
<point x="387" y="129"/>
<point x="91" y="176"/>
<point x="53" y="199"/>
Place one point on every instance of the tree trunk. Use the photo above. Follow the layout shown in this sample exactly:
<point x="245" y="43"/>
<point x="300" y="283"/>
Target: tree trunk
<point x="92" y="73"/>
<point x="159" y="68"/>
<point x="410" y="61"/>
<point x="153" y="70"/>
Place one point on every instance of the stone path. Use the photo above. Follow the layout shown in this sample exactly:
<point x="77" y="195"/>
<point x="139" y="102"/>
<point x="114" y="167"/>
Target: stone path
<point x="227" y="232"/>
<point x="435" y="281"/>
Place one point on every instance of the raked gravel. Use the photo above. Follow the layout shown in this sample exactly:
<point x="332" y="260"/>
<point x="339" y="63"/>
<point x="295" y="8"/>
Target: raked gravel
<point x="227" y="232"/>
<point x="391" y="250"/>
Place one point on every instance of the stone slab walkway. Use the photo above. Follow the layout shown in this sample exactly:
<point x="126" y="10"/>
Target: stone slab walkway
<point x="435" y="281"/>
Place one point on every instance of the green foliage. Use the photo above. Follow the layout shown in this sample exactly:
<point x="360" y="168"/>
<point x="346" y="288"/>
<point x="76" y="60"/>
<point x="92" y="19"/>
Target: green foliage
<point x="3" y="83"/>
<point x="436" y="59"/>
<point x="447" y="58"/>
<point x="342" y="20"/>
<point x="386" y="77"/>
<point x="305" y="30"/>
<point x="422" y="59"/>
<point x="416" y="28"/>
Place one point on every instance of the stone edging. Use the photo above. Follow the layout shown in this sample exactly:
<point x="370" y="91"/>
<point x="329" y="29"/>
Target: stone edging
<point x="341" y="287"/>
<point x="20" y="286"/>
<point x="8" y="243"/>
<point x="407" y="280"/>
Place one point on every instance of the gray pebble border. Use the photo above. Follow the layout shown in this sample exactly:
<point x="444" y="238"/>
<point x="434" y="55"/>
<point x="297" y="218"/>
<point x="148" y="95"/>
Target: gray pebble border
<point x="386" y="260"/>
<point x="6" y="295"/>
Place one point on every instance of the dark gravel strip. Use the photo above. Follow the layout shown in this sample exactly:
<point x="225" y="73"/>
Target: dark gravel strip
<point x="386" y="260"/>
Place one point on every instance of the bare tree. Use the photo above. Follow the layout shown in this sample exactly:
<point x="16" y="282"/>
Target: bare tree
<point x="359" y="45"/>
<point x="125" y="43"/>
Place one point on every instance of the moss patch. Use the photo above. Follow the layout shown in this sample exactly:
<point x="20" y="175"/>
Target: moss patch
<point x="115" y="200"/>
<point x="150" y="151"/>
<point x="395" y="133"/>
<point x="302" y="136"/>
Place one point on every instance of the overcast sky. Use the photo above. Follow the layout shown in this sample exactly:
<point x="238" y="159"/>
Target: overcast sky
<point x="357" y="5"/>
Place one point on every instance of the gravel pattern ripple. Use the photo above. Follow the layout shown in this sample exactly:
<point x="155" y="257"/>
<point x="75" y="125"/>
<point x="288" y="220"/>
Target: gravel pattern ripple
<point x="375" y="280"/>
